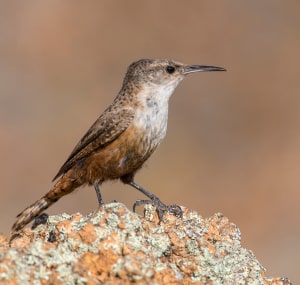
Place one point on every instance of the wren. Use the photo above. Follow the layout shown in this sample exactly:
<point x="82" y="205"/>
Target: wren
<point x="122" y="138"/>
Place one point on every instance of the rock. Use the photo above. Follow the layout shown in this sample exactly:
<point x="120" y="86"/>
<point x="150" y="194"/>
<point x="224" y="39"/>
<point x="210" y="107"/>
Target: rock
<point x="116" y="246"/>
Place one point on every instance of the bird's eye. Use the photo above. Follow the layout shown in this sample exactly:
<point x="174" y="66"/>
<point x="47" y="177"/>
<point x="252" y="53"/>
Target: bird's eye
<point x="170" y="69"/>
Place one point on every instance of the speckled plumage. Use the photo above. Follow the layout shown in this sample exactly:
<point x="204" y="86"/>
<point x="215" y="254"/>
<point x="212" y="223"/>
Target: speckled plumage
<point x="123" y="137"/>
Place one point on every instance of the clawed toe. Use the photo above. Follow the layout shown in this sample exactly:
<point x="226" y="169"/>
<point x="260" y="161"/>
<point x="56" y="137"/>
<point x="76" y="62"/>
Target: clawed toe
<point x="175" y="210"/>
<point x="160" y="207"/>
<point x="154" y="200"/>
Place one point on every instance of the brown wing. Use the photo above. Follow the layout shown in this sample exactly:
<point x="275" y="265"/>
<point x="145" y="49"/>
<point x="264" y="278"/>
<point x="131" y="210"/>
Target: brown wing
<point x="105" y="130"/>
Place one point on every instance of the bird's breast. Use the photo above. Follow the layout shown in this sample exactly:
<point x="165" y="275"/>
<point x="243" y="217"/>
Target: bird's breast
<point x="151" y="119"/>
<point x="133" y="147"/>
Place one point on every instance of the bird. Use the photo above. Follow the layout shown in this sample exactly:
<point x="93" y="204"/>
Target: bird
<point x="123" y="137"/>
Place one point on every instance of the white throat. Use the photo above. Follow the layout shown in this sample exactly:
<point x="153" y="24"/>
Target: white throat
<point x="152" y="115"/>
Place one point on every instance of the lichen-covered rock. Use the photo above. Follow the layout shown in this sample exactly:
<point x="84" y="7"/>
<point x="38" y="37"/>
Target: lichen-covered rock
<point x="116" y="246"/>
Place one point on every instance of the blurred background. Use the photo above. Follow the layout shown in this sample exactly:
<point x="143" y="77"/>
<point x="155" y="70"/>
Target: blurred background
<point x="233" y="142"/>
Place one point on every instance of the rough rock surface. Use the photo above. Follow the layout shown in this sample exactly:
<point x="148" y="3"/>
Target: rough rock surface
<point x="116" y="246"/>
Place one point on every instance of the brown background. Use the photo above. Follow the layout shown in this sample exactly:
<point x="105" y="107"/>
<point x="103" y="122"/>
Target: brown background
<point x="233" y="143"/>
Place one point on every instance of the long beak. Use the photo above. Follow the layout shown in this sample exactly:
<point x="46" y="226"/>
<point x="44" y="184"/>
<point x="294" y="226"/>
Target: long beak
<point x="197" y="68"/>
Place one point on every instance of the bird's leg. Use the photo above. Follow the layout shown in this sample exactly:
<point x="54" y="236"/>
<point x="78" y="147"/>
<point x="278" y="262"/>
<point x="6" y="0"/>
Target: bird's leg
<point x="155" y="201"/>
<point x="97" y="189"/>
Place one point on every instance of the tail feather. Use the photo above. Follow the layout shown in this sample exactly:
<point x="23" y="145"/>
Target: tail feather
<point x="62" y="187"/>
<point x="30" y="213"/>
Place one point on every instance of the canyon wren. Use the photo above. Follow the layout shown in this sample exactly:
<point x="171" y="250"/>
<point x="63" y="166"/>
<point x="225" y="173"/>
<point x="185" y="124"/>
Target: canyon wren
<point x="122" y="138"/>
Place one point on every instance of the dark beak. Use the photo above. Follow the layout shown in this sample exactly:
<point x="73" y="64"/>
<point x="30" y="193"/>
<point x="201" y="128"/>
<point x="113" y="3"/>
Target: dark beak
<point x="197" y="68"/>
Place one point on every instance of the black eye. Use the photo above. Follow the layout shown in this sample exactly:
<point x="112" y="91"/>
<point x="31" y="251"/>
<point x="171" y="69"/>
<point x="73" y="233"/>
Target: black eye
<point x="170" y="69"/>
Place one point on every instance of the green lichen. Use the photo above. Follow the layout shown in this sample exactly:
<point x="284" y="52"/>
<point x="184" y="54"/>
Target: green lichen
<point x="132" y="238"/>
<point x="159" y="244"/>
<point x="192" y="247"/>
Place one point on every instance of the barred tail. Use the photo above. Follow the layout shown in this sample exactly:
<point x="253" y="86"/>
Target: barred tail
<point x="63" y="186"/>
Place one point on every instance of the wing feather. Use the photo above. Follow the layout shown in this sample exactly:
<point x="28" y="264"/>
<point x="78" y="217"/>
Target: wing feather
<point x="105" y="130"/>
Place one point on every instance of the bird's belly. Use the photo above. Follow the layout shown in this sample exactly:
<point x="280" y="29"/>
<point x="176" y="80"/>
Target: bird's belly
<point x="137" y="144"/>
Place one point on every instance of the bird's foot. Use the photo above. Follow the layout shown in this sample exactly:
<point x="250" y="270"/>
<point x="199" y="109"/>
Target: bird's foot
<point x="160" y="207"/>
